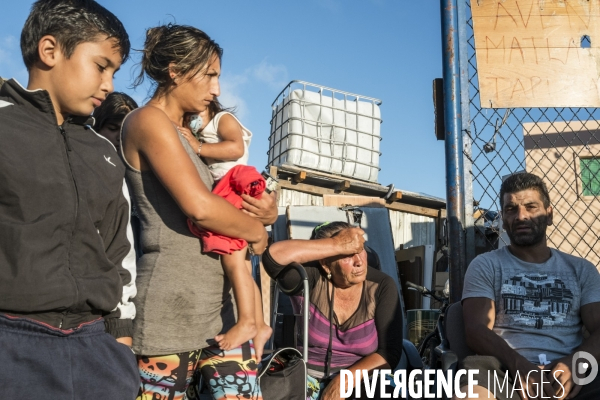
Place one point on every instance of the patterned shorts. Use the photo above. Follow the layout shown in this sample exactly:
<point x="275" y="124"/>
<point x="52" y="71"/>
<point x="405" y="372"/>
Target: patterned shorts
<point x="228" y="374"/>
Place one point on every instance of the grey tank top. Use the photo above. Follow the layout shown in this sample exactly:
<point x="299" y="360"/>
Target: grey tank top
<point x="184" y="298"/>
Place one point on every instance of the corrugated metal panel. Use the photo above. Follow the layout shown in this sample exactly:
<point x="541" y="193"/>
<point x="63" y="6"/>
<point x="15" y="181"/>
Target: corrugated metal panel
<point x="407" y="229"/>
<point x="294" y="198"/>
<point x="412" y="230"/>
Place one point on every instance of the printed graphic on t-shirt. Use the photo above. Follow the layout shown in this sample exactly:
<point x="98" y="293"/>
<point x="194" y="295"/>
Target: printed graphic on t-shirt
<point x="536" y="300"/>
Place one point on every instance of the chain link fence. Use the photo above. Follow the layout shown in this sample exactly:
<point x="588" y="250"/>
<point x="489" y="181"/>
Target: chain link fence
<point x="561" y="145"/>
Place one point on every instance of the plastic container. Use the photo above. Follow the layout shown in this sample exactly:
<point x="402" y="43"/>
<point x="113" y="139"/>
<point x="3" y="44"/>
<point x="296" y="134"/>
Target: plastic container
<point x="327" y="130"/>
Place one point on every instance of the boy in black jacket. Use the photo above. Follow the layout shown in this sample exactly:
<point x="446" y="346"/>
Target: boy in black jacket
<point x="67" y="268"/>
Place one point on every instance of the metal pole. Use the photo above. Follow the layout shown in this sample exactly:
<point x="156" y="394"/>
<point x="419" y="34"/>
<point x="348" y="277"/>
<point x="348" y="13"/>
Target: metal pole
<point x="463" y="46"/>
<point x="454" y="147"/>
<point x="305" y="320"/>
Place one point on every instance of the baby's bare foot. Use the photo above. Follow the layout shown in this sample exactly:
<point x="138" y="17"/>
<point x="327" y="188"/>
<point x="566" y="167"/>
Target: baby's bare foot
<point x="236" y="336"/>
<point x="262" y="337"/>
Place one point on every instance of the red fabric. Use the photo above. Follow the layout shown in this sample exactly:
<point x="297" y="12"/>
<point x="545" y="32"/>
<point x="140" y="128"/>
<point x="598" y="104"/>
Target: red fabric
<point x="240" y="179"/>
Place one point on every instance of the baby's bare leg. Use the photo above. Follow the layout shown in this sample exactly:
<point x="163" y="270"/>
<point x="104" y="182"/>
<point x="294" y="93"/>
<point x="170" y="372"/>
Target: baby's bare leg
<point x="243" y="286"/>
<point x="264" y="331"/>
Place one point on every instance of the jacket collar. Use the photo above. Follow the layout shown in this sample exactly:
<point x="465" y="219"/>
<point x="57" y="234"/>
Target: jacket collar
<point x="39" y="99"/>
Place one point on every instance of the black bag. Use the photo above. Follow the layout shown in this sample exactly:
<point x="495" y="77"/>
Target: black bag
<point x="283" y="376"/>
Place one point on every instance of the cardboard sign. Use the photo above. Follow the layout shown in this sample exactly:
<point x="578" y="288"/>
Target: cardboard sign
<point x="537" y="53"/>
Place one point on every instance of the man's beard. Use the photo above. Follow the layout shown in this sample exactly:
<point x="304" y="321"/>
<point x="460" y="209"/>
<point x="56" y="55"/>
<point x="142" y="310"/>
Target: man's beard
<point x="537" y="234"/>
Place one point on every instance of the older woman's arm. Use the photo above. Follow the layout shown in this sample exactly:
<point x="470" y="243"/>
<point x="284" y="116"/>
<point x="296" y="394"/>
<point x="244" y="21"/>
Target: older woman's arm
<point x="347" y="242"/>
<point x="280" y="254"/>
<point x="292" y="278"/>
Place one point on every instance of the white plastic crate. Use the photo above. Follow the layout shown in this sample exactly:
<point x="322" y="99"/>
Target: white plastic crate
<point x="326" y="130"/>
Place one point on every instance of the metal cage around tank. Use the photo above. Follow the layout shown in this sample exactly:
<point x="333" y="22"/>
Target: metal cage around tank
<point x="325" y="129"/>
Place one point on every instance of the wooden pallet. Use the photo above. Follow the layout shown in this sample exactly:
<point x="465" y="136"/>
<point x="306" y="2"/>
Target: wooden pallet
<point x="330" y="181"/>
<point x="324" y="184"/>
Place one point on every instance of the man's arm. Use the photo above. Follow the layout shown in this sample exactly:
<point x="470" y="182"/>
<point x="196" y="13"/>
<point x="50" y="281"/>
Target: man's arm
<point x="590" y="316"/>
<point x="479" y="315"/>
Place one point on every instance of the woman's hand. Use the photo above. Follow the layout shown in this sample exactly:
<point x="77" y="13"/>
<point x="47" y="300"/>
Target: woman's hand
<point x="263" y="209"/>
<point x="187" y="134"/>
<point x="350" y="241"/>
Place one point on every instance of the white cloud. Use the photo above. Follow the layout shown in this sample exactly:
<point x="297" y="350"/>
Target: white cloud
<point x="232" y="86"/>
<point x="275" y="76"/>
<point x="235" y="80"/>
<point x="4" y="56"/>
<point x="10" y="42"/>
<point x="231" y="95"/>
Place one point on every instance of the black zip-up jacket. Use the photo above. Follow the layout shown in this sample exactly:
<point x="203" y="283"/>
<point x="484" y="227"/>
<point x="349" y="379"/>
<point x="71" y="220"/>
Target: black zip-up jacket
<point x="66" y="254"/>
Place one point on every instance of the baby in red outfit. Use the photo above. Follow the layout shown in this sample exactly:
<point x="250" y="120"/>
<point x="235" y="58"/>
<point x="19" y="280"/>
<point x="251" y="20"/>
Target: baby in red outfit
<point x="223" y="143"/>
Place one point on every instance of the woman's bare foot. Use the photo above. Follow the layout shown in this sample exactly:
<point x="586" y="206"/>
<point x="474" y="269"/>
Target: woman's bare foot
<point x="236" y="336"/>
<point x="262" y="337"/>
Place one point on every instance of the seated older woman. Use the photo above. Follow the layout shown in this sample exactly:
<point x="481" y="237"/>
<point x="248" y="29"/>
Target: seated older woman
<point x="355" y="315"/>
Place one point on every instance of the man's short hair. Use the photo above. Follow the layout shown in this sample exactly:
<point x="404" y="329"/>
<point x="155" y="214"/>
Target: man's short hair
<point x="524" y="181"/>
<point x="71" y="22"/>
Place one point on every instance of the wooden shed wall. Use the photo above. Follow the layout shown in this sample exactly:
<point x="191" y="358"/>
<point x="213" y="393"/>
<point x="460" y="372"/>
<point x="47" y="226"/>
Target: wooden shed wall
<point x="408" y="229"/>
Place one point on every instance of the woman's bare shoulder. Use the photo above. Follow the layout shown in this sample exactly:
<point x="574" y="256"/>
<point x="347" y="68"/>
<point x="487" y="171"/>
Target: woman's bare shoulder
<point x="147" y="120"/>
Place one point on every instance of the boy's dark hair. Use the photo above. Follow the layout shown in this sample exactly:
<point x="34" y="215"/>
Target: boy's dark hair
<point x="71" y="22"/>
<point x="116" y="106"/>
<point x="188" y="49"/>
<point x="523" y="181"/>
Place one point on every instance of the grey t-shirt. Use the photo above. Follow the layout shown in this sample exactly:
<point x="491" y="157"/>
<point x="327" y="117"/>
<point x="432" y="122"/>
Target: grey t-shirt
<point x="537" y="305"/>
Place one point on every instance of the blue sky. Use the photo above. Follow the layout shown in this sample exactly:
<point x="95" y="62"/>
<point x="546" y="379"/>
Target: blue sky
<point x="387" y="49"/>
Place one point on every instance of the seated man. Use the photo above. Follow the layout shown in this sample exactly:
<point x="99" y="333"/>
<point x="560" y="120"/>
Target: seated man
<point x="524" y="307"/>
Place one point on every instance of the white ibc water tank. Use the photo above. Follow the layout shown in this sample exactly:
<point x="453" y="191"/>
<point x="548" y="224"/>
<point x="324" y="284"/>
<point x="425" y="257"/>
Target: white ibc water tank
<point x="326" y="130"/>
